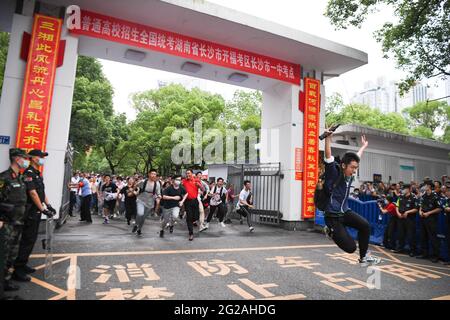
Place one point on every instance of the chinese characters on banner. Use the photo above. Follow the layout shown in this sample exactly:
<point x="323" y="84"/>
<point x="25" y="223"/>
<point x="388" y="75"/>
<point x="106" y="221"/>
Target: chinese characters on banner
<point x="38" y="85"/>
<point x="298" y="164"/>
<point x="310" y="145"/>
<point x="117" y="30"/>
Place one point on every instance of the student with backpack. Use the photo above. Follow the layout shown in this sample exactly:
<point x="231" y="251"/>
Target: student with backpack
<point x="218" y="202"/>
<point x="149" y="195"/>
<point x="332" y="197"/>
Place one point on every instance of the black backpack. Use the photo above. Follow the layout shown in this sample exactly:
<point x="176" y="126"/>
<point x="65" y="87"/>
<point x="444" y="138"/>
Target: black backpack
<point x="321" y="194"/>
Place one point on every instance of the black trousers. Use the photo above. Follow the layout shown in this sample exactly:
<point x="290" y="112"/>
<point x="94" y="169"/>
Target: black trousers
<point x="407" y="232"/>
<point x="428" y="233"/>
<point x="85" y="212"/>
<point x="130" y="209"/>
<point x="389" y="233"/>
<point x="341" y="236"/>
<point x="221" y="209"/>
<point x="2" y="262"/>
<point x="29" y="237"/>
<point x="192" y="213"/>
<point x="448" y="235"/>
<point x="73" y="201"/>
<point x="245" y="211"/>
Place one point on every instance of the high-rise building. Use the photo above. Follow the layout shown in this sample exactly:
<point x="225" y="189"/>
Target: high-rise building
<point x="384" y="95"/>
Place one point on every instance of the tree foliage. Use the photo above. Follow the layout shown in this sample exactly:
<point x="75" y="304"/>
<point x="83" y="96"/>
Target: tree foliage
<point x="419" y="40"/>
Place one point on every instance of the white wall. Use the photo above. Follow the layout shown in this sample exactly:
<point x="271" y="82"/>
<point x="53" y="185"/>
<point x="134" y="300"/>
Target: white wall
<point x="284" y="124"/>
<point x="60" y="110"/>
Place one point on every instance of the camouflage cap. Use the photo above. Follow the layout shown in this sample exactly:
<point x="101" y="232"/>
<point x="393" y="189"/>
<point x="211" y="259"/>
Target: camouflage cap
<point x="16" y="152"/>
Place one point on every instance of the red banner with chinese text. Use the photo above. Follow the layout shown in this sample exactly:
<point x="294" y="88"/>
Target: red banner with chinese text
<point x="38" y="86"/>
<point x="310" y="145"/>
<point x="137" y="35"/>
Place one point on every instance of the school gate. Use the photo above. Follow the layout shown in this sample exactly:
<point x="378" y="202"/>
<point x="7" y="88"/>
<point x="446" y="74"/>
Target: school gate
<point x="189" y="37"/>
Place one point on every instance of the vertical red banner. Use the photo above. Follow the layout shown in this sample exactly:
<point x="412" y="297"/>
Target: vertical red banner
<point x="38" y="86"/>
<point x="310" y="146"/>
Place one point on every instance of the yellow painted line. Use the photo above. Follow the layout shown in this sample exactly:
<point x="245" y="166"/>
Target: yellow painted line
<point x="388" y="254"/>
<point x="199" y="269"/>
<point x="434" y="267"/>
<point x="244" y="294"/>
<point x="48" y="286"/>
<point x="143" y="253"/>
<point x="335" y="286"/>
<point x="442" y="298"/>
<point x="288" y="297"/>
<point x="42" y="266"/>
<point x="261" y="288"/>
<point x="72" y="279"/>
<point x="418" y="267"/>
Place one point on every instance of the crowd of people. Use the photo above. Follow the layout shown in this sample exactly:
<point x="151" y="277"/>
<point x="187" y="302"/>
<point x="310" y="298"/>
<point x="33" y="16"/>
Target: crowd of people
<point x="172" y="198"/>
<point x="402" y="202"/>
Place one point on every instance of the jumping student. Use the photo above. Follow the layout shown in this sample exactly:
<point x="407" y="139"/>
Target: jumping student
<point x="338" y="216"/>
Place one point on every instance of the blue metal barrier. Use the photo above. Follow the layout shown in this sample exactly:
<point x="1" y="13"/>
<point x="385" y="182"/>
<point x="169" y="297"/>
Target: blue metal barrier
<point x="370" y="211"/>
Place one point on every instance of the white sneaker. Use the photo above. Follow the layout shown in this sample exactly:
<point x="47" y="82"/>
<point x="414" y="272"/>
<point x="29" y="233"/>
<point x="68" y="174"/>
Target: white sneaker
<point x="368" y="260"/>
<point x="207" y="225"/>
<point x="202" y="228"/>
<point x="251" y="229"/>
<point x="223" y="224"/>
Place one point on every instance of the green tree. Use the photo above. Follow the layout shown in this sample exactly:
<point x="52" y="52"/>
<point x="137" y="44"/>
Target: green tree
<point x="334" y="105"/>
<point x="4" y="43"/>
<point x="364" y="115"/>
<point x="428" y="115"/>
<point x="244" y="105"/>
<point x="92" y="105"/>
<point x="418" y="40"/>
<point x="113" y="144"/>
<point x="162" y="112"/>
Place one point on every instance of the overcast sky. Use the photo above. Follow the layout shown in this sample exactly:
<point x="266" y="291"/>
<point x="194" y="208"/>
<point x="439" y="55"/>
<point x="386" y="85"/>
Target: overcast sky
<point x="298" y="14"/>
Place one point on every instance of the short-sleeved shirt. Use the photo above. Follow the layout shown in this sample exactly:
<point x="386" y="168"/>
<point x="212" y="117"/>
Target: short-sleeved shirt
<point x="219" y="196"/>
<point x="191" y="188"/>
<point x="85" y="187"/>
<point x="128" y="194"/>
<point x="429" y="202"/>
<point x="172" y="192"/>
<point x="149" y="193"/>
<point x="74" y="180"/>
<point x="34" y="181"/>
<point x="391" y="209"/>
<point x="243" y="195"/>
<point x="407" y="203"/>
<point x="109" y="191"/>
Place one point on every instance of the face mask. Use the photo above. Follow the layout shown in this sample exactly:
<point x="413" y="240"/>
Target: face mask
<point x="24" y="164"/>
<point x="177" y="182"/>
<point x="41" y="161"/>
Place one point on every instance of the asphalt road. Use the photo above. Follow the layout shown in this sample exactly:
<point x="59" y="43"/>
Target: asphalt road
<point x="109" y="262"/>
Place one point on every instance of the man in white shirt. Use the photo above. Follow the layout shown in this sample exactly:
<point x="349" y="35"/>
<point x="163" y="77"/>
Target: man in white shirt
<point x="245" y="203"/>
<point x="73" y="187"/>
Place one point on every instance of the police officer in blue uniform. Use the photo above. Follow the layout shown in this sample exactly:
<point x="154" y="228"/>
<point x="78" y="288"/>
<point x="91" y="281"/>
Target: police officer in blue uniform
<point x="35" y="208"/>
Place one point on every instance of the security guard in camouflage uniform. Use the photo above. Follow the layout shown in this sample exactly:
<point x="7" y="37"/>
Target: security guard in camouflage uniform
<point x="35" y="208"/>
<point x="13" y="199"/>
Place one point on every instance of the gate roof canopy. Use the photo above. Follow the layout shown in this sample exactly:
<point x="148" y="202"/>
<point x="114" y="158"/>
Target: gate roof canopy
<point x="212" y="22"/>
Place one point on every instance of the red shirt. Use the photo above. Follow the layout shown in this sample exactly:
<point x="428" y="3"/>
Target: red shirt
<point x="191" y="188"/>
<point x="391" y="208"/>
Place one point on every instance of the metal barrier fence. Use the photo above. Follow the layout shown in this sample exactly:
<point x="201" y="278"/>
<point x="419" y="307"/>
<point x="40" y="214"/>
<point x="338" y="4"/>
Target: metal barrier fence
<point x="371" y="212"/>
<point x="266" y="180"/>
<point x="65" y="199"/>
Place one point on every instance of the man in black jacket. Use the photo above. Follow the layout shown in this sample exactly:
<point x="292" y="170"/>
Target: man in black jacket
<point x="338" y="216"/>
